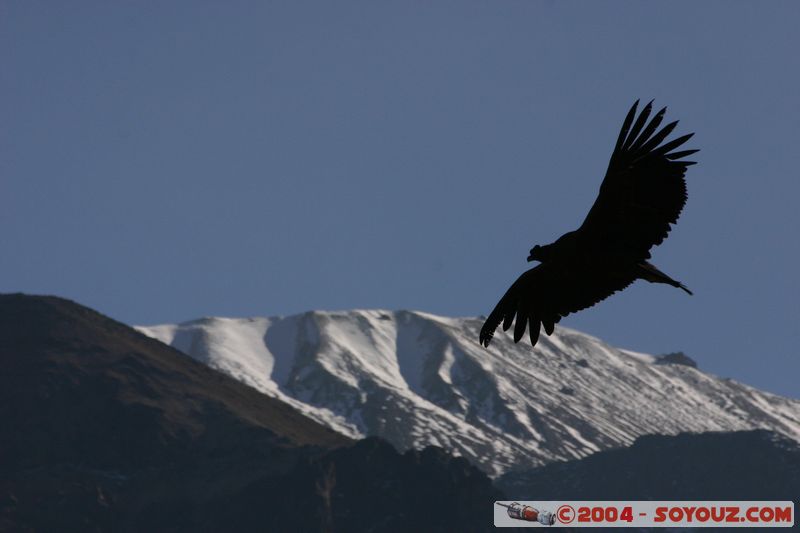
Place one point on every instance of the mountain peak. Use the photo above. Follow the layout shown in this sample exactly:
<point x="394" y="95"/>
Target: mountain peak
<point x="419" y="379"/>
<point x="676" y="358"/>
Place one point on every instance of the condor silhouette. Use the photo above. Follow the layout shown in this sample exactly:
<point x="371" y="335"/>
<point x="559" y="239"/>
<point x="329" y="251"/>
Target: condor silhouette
<point x="642" y="194"/>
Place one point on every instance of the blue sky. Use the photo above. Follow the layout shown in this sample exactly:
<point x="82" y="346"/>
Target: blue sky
<point x="165" y="161"/>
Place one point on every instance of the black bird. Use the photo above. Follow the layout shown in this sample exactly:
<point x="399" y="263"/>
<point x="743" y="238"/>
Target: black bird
<point x="642" y="194"/>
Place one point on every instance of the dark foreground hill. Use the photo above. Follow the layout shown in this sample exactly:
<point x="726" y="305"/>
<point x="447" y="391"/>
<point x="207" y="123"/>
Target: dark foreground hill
<point x="744" y="465"/>
<point x="106" y="429"/>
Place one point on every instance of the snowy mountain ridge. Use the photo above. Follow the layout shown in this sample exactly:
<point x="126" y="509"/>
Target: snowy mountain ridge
<point x="418" y="379"/>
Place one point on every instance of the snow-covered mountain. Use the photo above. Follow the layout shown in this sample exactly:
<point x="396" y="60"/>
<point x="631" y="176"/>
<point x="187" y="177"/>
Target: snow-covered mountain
<point x="418" y="379"/>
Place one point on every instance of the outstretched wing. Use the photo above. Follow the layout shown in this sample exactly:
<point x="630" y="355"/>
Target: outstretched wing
<point x="544" y="294"/>
<point x="644" y="190"/>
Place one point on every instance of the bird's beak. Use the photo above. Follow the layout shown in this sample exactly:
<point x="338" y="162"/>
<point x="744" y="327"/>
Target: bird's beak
<point x="530" y="258"/>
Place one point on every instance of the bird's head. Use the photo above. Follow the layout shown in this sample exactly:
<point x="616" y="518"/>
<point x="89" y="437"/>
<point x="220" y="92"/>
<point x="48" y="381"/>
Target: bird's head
<point x="536" y="254"/>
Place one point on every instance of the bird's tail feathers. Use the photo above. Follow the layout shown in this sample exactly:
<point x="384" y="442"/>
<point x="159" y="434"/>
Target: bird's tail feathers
<point x="649" y="272"/>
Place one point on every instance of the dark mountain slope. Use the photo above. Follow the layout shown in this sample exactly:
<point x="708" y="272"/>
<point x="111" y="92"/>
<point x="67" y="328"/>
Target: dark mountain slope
<point x="106" y="429"/>
<point x="93" y="379"/>
<point x="743" y="465"/>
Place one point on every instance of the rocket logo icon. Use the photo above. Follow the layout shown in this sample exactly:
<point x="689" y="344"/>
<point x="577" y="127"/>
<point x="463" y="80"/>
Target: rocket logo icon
<point x="527" y="513"/>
